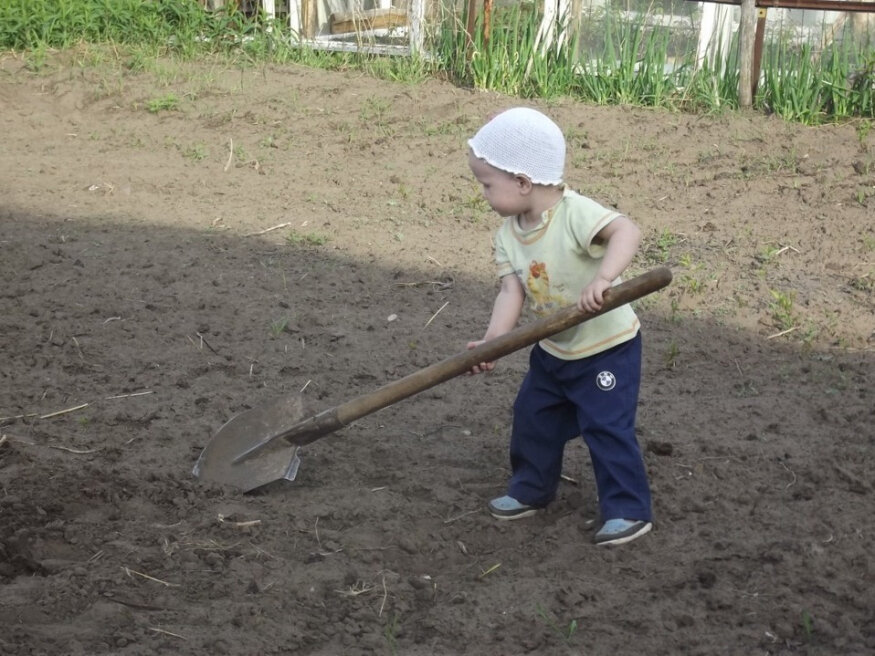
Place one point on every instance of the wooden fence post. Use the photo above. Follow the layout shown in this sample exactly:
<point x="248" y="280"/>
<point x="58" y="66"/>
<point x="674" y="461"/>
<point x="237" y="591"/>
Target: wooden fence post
<point x="746" y="38"/>
<point x="756" y="66"/>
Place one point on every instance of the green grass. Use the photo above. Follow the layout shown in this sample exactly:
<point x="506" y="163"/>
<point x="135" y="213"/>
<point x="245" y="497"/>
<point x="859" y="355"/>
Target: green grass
<point x="610" y="59"/>
<point x="163" y="103"/>
<point x="657" y="249"/>
<point x="307" y="239"/>
<point x="566" y="632"/>
<point x="29" y="24"/>
<point x="802" y="85"/>
<point x="781" y="307"/>
<point x="278" y="327"/>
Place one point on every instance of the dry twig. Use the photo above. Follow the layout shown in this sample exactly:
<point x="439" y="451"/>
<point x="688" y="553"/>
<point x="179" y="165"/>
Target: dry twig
<point x="356" y="589"/>
<point x="206" y="343"/>
<point x="783" y="332"/>
<point x="170" y="633"/>
<point x="78" y="452"/>
<point x="63" y="412"/>
<point x="230" y="154"/>
<point x="385" y="595"/>
<point x="32" y="414"/>
<point x="427" y="323"/>
<point x="266" y="230"/>
<point x="251" y="522"/>
<point x="490" y="570"/>
<point x="53" y="446"/>
<point x="127" y="396"/>
<point x="792" y="473"/>
<point x="458" y="517"/>
<point x="130" y="571"/>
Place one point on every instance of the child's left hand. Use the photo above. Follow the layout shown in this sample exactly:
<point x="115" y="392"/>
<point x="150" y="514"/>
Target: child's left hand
<point x="483" y="367"/>
<point x="592" y="296"/>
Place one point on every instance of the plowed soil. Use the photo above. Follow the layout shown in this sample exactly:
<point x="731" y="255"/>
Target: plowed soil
<point x="185" y="242"/>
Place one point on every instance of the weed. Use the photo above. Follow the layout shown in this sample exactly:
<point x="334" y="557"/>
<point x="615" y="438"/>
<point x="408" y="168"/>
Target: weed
<point x="390" y="632"/>
<point x="864" y="283"/>
<point x="781" y="308"/>
<point x="863" y="129"/>
<point x="346" y="130"/>
<point x="692" y="284"/>
<point x="675" y="315"/>
<point x="195" y="152"/>
<point x="278" y="327"/>
<point x="577" y="138"/>
<point x="163" y="103"/>
<point x="671" y="355"/>
<point x="477" y="203"/>
<point x="107" y="88"/>
<point x="807" y="624"/>
<point x="445" y="128"/>
<point x="308" y="239"/>
<point x="745" y="390"/>
<point x="767" y="253"/>
<point x="660" y="250"/>
<point x="374" y="110"/>
<point x="810" y="333"/>
<point x="862" y="196"/>
<point x="36" y="60"/>
<point x="566" y="633"/>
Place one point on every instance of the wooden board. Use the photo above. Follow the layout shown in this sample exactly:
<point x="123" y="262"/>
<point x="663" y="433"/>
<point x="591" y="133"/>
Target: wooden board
<point x="309" y="19"/>
<point x="371" y="19"/>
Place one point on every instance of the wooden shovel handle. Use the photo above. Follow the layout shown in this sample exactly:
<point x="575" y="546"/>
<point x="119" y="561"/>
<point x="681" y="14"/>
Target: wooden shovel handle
<point x="342" y="415"/>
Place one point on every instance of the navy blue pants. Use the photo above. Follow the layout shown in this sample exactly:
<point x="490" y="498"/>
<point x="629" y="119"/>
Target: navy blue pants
<point x="595" y="397"/>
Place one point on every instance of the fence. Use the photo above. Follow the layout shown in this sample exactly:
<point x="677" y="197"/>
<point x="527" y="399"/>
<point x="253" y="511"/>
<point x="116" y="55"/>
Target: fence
<point x="400" y="26"/>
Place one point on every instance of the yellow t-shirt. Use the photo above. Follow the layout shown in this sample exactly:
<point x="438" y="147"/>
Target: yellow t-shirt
<point x="554" y="262"/>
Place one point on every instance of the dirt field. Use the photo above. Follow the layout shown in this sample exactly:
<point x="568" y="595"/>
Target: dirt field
<point x="182" y="244"/>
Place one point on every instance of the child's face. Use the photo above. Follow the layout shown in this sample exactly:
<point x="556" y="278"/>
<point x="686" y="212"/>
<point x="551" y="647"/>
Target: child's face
<point x="504" y="191"/>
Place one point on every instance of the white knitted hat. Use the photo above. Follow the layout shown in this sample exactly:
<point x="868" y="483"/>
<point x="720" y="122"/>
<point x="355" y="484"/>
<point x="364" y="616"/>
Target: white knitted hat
<point x="522" y="141"/>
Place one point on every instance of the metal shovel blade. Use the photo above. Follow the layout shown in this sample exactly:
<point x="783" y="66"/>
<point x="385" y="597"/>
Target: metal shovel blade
<point x="216" y="463"/>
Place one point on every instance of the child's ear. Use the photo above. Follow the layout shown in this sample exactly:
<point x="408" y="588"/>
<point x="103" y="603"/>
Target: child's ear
<point x="523" y="183"/>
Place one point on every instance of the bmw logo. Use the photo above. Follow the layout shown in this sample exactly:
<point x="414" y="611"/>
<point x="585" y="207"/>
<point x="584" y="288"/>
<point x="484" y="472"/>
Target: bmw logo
<point x="606" y="381"/>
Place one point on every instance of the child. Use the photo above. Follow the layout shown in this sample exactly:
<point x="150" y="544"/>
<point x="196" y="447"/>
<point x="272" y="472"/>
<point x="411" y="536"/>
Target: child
<point x="557" y="248"/>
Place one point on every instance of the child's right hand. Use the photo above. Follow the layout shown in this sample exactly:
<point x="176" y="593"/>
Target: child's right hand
<point x="483" y="366"/>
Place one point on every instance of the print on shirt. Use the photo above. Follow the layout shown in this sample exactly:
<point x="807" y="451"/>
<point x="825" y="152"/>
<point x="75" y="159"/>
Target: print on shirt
<point x="544" y="301"/>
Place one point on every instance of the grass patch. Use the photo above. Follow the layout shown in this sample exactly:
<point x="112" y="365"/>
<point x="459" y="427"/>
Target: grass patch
<point x="566" y="632"/>
<point x="781" y="308"/>
<point x="306" y="239"/>
<point x="163" y="103"/>
<point x="622" y="53"/>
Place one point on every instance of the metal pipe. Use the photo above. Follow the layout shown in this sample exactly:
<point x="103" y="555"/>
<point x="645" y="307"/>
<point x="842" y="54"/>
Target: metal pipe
<point x="821" y="5"/>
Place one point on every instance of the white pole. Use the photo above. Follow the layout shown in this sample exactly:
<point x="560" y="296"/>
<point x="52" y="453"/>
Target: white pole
<point x="715" y="35"/>
<point x="269" y="8"/>
<point x="706" y="32"/>
<point x="295" y="18"/>
<point x="547" y="29"/>
<point x="417" y="20"/>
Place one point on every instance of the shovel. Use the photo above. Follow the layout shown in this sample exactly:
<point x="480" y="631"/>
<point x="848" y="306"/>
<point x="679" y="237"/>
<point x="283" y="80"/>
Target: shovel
<point x="260" y="446"/>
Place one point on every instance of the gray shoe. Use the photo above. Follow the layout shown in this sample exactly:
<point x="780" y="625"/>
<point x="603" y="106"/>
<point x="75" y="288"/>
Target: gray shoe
<point x="621" y="531"/>
<point x="509" y="508"/>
